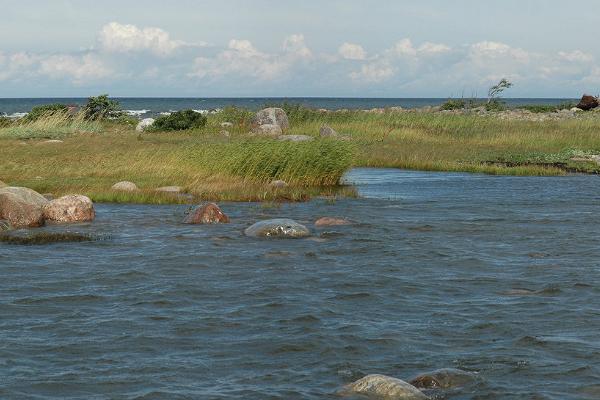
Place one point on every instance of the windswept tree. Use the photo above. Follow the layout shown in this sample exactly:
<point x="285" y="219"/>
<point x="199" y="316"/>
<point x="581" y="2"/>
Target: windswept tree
<point x="495" y="91"/>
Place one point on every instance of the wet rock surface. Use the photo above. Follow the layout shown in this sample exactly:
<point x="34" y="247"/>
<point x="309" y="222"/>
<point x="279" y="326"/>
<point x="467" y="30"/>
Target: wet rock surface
<point x="22" y="207"/>
<point x="68" y="209"/>
<point x="209" y="213"/>
<point x="277" y="228"/>
<point x="384" y="387"/>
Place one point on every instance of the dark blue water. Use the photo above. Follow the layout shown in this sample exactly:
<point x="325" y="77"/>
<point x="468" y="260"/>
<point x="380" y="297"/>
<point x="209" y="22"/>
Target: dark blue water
<point x="144" y="107"/>
<point x="498" y="275"/>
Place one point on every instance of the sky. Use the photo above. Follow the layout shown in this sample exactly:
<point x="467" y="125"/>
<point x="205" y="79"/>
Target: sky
<point x="313" y="48"/>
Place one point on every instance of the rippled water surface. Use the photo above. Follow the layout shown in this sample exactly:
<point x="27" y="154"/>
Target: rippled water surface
<point x="498" y="275"/>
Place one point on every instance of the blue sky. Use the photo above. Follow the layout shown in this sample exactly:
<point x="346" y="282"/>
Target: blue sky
<point x="426" y="48"/>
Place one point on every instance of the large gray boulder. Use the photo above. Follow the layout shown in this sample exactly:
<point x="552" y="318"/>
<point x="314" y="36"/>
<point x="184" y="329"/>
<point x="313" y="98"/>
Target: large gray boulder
<point x="271" y="116"/>
<point x="144" y="124"/>
<point x="384" y="387"/>
<point x="68" y="209"/>
<point x="277" y="228"/>
<point x="268" y="130"/>
<point x="22" y="207"/>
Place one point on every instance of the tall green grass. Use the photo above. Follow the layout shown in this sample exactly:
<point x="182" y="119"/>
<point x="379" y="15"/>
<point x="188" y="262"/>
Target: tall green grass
<point x="53" y="125"/>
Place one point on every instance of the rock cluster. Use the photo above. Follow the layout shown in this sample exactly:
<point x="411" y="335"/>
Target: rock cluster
<point x="25" y="208"/>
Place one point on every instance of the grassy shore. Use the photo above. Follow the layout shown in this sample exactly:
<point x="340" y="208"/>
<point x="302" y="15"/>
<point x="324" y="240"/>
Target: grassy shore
<point x="209" y="165"/>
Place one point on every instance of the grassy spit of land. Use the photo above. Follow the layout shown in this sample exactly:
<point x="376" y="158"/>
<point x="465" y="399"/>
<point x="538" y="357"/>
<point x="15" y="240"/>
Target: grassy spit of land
<point x="239" y="167"/>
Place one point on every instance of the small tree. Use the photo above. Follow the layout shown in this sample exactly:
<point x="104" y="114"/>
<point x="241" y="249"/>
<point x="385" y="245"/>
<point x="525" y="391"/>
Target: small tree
<point x="495" y="91"/>
<point x="101" y="107"/>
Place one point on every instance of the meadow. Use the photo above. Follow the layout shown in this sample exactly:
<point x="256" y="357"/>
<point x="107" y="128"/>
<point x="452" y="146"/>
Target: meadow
<point x="211" y="165"/>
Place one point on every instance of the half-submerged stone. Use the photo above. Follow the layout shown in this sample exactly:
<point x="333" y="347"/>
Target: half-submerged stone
<point x="209" y="213"/>
<point x="385" y="387"/>
<point x="277" y="228"/>
<point x="71" y="208"/>
<point x="443" y="379"/>
<point x="125" y="186"/>
<point x="22" y="207"/>
<point x="329" y="221"/>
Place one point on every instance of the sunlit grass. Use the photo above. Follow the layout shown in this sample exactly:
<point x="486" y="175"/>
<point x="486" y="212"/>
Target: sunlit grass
<point x="55" y="125"/>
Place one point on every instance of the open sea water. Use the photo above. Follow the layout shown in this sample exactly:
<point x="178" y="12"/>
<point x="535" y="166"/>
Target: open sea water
<point x="494" y="275"/>
<point x="150" y="107"/>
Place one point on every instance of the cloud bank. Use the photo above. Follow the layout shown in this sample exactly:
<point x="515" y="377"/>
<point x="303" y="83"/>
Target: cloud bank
<point x="147" y="60"/>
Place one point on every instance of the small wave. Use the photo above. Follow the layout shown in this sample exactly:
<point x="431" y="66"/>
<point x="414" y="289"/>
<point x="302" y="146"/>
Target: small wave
<point x="136" y="113"/>
<point x="17" y="115"/>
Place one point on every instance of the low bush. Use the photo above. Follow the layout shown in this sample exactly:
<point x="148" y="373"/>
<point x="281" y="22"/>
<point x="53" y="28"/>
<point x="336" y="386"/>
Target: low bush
<point x="235" y="115"/>
<point x="44" y="110"/>
<point x="298" y="113"/>
<point x="546" y="108"/>
<point x="454" y="104"/>
<point x="179" y="121"/>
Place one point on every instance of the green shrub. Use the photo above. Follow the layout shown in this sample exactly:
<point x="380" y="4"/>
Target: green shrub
<point x="298" y="113"/>
<point x="495" y="105"/>
<point x="179" y="121"/>
<point x="44" y="111"/>
<point x="235" y="115"/>
<point x="454" y="104"/>
<point x="101" y="107"/>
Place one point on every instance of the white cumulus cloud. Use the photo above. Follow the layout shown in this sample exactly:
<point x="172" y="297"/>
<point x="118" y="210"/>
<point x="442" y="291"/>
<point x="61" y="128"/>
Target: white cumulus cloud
<point x="123" y="38"/>
<point x="351" y="51"/>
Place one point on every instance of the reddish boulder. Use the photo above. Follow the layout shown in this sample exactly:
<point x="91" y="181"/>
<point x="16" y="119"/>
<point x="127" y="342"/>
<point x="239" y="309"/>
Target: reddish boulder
<point x="22" y="207"/>
<point x="329" y="221"/>
<point x="588" y="102"/>
<point x="72" y="208"/>
<point x="209" y="213"/>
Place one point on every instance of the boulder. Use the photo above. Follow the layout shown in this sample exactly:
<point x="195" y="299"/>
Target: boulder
<point x="125" y="186"/>
<point x="329" y="221"/>
<point x="386" y="387"/>
<point x="209" y="213"/>
<point x="588" y="102"/>
<point x="277" y="228"/>
<point x="296" y="138"/>
<point x="22" y="207"/>
<point x="575" y="109"/>
<point x="144" y="124"/>
<point x="52" y="141"/>
<point x="278" y="183"/>
<point x="169" y="189"/>
<point x="268" y="130"/>
<point x="271" y="116"/>
<point x="327" y="131"/>
<point x="443" y="379"/>
<point x="226" y="124"/>
<point x="71" y="208"/>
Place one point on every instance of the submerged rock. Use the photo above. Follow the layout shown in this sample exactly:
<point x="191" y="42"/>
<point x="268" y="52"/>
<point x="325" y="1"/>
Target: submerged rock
<point x="588" y="102"/>
<point x="268" y="130"/>
<point x="327" y="131"/>
<point x="144" y="124"/>
<point x="296" y="138"/>
<point x="71" y="208"/>
<point x="22" y="207"/>
<point x="125" y="186"/>
<point x="278" y="228"/>
<point x="443" y="379"/>
<point x="271" y="116"/>
<point x="385" y="387"/>
<point x="209" y="213"/>
<point x="329" y="221"/>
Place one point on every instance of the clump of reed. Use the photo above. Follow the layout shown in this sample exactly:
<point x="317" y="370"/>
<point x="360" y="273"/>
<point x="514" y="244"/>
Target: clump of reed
<point x="51" y="125"/>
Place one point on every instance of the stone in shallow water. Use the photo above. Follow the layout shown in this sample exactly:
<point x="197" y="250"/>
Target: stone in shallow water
<point x="71" y="208"/>
<point x="384" y="387"/>
<point x="277" y="228"/>
<point x="22" y="207"/>
<point x="209" y="213"/>
<point x="443" y="379"/>
<point x="330" y="221"/>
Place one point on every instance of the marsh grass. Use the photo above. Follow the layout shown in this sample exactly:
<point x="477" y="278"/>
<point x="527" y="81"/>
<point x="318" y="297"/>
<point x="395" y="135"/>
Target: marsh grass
<point x="52" y="125"/>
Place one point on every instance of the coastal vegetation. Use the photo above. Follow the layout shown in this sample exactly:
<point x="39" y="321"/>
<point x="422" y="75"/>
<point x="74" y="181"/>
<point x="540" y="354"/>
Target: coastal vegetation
<point x="90" y="151"/>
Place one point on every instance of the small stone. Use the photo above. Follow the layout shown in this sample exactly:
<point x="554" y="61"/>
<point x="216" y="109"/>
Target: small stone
<point x="209" y="213"/>
<point x="226" y="124"/>
<point x="169" y="189"/>
<point x="125" y="186"/>
<point x="144" y="124"/>
<point x="329" y="221"/>
<point x="71" y="208"/>
<point x="52" y="141"/>
<point x="296" y="138"/>
<point x="327" y="131"/>
<point x="576" y="109"/>
<point x="278" y="183"/>
<point x="277" y="228"/>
